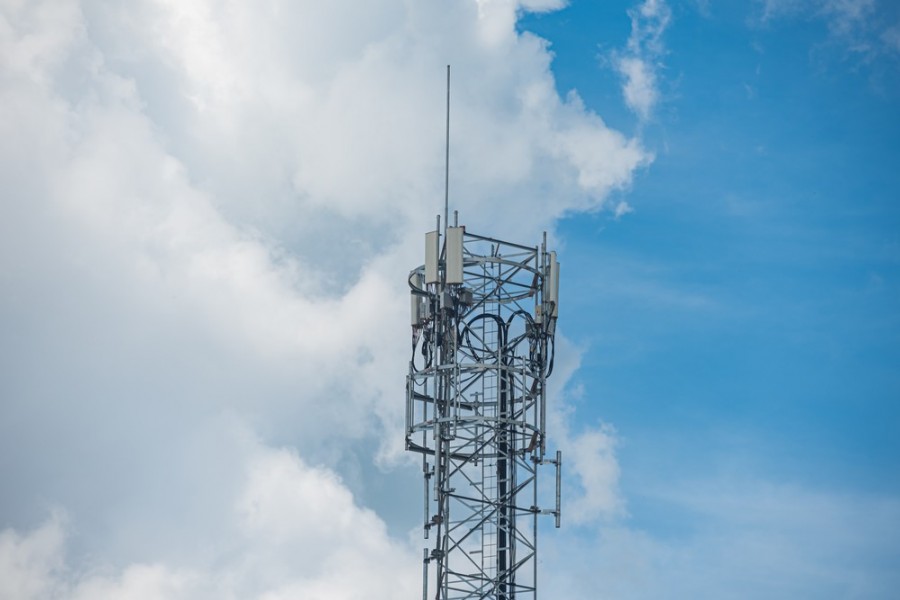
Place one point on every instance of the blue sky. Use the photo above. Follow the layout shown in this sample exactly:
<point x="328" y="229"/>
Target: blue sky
<point x="742" y="323"/>
<point x="749" y="306"/>
<point x="210" y="208"/>
<point x="752" y="297"/>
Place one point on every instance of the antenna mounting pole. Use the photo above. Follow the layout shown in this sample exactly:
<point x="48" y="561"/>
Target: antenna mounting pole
<point x="447" y="159"/>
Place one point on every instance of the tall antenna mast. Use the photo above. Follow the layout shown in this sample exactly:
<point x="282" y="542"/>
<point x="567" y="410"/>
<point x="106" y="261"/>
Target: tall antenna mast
<point x="483" y="313"/>
<point x="447" y="159"/>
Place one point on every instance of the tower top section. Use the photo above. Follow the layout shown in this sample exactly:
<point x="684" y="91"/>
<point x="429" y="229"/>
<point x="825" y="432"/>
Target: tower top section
<point x="483" y="313"/>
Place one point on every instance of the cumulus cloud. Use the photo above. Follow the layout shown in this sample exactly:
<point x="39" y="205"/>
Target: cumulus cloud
<point x="208" y="212"/>
<point x="295" y="532"/>
<point x="30" y="564"/>
<point x="641" y="60"/>
<point x="592" y="495"/>
<point x="593" y="458"/>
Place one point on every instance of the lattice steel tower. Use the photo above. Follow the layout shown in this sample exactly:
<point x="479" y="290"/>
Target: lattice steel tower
<point x="483" y="321"/>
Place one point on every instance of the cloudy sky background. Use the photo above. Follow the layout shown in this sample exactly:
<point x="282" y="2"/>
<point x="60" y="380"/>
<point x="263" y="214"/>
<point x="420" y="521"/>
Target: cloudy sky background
<point x="209" y="209"/>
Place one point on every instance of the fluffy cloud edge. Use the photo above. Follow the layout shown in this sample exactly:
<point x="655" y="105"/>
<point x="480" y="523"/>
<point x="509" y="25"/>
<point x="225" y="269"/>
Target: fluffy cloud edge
<point x="296" y="531"/>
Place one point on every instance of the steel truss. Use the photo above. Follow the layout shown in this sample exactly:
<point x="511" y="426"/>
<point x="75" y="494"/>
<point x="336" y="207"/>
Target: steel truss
<point x="484" y="317"/>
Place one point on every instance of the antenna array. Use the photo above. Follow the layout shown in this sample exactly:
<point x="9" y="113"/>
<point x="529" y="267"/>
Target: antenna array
<point x="483" y="316"/>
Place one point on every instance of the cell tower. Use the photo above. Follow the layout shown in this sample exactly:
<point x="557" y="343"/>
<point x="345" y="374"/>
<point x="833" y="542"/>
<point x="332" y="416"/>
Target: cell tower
<point x="483" y="315"/>
<point x="483" y="321"/>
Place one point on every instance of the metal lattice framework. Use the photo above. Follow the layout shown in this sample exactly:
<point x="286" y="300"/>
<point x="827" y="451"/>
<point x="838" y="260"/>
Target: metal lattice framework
<point x="483" y="316"/>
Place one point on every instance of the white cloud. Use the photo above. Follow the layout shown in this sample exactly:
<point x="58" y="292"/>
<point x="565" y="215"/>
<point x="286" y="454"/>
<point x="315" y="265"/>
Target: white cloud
<point x="592" y="455"/>
<point x="590" y="466"/>
<point x="497" y="18"/>
<point x="640" y="87"/>
<point x="30" y="564"/>
<point x="296" y="533"/>
<point x="753" y="539"/>
<point x="209" y="210"/>
<point x="641" y="61"/>
<point x="622" y="209"/>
